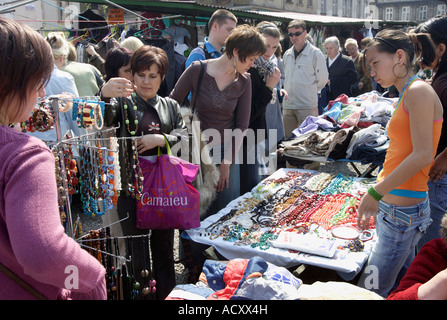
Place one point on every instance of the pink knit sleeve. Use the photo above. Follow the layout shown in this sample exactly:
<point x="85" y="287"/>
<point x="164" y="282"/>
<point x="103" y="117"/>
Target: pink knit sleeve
<point x="38" y="239"/>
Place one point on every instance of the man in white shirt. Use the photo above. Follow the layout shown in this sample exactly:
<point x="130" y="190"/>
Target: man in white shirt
<point x="305" y="74"/>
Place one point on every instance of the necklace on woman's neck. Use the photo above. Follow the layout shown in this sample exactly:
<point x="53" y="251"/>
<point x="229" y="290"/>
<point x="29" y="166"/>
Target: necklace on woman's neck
<point x="407" y="84"/>
<point x="127" y="114"/>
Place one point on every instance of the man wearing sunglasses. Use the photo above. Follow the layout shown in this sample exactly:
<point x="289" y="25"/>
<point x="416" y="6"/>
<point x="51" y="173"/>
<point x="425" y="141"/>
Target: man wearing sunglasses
<point x="305" y="73"/>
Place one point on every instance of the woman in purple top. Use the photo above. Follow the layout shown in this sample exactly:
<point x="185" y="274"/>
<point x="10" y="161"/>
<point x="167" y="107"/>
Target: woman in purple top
<point x="223" y="104"/>
<point x="34" y="248"/>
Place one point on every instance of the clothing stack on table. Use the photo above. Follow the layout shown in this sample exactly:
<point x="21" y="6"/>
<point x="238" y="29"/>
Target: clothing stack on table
<point x="350" y="128"/>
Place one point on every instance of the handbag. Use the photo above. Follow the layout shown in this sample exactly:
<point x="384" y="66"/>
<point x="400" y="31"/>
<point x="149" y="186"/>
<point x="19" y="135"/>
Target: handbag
<point x="168" y="200"/>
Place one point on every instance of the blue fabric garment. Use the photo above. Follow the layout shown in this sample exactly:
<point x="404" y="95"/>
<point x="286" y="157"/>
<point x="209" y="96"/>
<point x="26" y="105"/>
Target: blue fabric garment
<point x="334" y="112"/>
<point x="60" y="82"/>
<point x="198" y="53"/>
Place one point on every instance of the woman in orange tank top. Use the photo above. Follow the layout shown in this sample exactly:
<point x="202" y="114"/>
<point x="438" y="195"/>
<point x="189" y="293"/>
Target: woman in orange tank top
<point x="398" y="202"/>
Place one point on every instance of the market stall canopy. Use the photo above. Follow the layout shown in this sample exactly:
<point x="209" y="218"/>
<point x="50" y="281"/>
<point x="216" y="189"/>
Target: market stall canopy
<point x="194" y="9"/>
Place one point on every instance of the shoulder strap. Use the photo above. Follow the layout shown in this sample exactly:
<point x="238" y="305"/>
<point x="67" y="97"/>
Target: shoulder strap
<point x="199" y="83"/>
<point x="21" y="283"/>
<point x="206" y="53"/>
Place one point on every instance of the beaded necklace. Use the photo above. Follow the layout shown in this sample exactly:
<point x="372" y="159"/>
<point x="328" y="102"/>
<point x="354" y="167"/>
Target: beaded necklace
<point x="404" y="89"/>
<point x="127" y="117"/>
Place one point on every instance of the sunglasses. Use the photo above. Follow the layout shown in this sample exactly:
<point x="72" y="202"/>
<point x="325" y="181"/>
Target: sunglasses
<point x="296" y="34"/>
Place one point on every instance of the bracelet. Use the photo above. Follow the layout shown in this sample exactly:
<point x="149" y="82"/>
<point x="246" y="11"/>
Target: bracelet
<point x="373" y="193"/>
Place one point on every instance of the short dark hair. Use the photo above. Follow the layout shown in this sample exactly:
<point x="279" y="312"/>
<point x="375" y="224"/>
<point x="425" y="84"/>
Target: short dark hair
<point x="26" y="60"/>
<point x="220" y="16"/>
<point x="247" y="41"/>
<point x="297" y="23"/>
<point x="116" y="58"/>
<point x="146" y="56"/>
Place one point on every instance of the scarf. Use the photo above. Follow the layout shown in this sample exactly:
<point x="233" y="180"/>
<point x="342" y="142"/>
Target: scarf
<point x="264" y="67"/>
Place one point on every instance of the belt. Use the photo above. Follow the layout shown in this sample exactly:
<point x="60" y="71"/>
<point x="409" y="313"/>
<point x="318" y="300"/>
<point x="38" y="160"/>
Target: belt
<point x="409" y="211"/>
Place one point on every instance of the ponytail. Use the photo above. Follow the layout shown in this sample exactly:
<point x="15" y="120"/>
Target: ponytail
<point x="424" y="50"/>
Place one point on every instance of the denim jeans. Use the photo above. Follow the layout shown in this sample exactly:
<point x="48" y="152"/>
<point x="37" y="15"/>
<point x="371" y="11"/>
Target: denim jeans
<point x="398" y="230"/>
<point x="437" y="193"/>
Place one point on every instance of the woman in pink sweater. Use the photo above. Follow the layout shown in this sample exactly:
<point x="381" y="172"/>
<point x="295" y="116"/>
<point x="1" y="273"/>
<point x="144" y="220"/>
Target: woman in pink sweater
<point x="37" y="259"/>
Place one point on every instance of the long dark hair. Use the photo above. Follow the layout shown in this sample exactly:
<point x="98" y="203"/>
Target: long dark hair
<point x="437" y="29"/>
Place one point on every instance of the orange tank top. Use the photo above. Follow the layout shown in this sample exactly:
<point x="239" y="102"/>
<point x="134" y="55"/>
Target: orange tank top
<point x="401" y="146"/>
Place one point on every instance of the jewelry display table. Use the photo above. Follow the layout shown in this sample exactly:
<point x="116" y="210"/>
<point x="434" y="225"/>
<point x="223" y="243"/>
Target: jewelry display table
<point x="294" y="217"/>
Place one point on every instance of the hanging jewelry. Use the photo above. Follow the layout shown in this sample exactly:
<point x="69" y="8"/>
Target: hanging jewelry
<point x="99" y="119"/>
<point x="87" y="116"/>
<point x="137" y="172"/>
<point x="234" y="65"/>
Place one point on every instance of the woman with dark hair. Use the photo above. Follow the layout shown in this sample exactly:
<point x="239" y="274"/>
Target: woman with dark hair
<point x="117" y="74"/>
<point x="399" y="197"/>
<point x="148" y="118"/>
<point x="224" y="104"/>
<point x="437" y="185"/>
<point x="37" y="257"/>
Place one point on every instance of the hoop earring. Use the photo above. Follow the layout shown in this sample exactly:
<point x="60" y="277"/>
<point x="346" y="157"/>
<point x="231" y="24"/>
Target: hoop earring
<point x="403" y="75"/>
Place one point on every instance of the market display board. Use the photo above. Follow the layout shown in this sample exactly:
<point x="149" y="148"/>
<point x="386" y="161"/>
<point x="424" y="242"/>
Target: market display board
<point x="294" y="217"/>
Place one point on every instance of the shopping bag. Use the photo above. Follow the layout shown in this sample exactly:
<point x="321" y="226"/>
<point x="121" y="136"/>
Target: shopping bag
<point x="168" y="200"/>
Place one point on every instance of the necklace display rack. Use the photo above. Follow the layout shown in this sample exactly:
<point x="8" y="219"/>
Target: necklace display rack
<point x="98" y="158"/>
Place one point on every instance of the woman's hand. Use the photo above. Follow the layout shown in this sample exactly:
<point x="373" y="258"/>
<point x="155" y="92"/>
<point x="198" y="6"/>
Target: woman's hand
<point x="368" y="208"/>
<point x="439" y="167"/>
<point x="117" y="87"/>
<point x="150" y="141"/>
<point x="224" y="180"/>
<point x="284" y="93"/>
<point x="272" y="79"/>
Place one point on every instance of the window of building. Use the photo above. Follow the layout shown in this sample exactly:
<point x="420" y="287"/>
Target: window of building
<point x="440" y="9"/>
<point x="405" y="14"/>
<point x="423" y="12"/>
<point x="347" y="8"/>
<point x="299" y="2"/>
<point x="323" y="7"/>
<point x="335" y="7"/>
<point x="389" y="13"/>
<point x="310" y="3"/>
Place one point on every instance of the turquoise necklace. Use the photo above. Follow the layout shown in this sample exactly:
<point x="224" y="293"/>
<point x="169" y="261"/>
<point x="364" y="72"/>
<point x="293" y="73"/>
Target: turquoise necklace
<point x="404" y="89"/>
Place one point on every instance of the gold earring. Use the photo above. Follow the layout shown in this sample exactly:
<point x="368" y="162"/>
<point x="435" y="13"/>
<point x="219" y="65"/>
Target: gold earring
<point x="234" y="65"/>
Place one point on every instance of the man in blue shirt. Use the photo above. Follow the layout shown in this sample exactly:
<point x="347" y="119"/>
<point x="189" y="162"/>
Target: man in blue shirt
<point x="220" y="25"/>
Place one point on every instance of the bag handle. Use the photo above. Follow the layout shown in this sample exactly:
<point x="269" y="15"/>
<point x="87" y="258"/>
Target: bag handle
<point x="168" y="147"/>
<point x="199" y="83"/>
